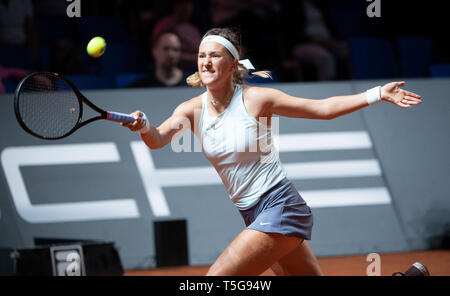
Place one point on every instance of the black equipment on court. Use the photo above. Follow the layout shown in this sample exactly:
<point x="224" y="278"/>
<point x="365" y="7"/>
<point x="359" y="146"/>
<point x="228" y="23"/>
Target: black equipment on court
<point x="417" y="269"/>
<point x="171" y="243"/>
<point x="69" y="258"/>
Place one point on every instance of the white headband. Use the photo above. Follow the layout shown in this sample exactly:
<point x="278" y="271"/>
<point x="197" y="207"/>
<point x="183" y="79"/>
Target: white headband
<point x="228" y="45"/>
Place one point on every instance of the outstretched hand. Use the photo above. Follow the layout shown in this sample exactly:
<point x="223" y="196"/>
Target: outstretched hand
<point x="392" y="92"/>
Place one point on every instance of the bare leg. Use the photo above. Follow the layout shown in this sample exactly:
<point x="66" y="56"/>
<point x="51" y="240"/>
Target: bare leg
<point x="252" y="252"/>
<point x="300" y="261"/>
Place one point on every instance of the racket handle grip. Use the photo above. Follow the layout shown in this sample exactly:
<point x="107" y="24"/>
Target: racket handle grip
<point x="120" y="117"/>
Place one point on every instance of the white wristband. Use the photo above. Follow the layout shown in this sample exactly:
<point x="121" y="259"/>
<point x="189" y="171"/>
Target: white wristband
<point x="373" y="95"/>
<point x="146" y="127"/>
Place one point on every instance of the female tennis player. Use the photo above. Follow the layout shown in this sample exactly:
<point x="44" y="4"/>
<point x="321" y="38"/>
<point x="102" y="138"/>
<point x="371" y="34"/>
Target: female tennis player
<point x="278" y="220"/>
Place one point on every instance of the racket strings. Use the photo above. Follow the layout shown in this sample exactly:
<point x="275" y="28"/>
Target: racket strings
<point x="48" y="106"/>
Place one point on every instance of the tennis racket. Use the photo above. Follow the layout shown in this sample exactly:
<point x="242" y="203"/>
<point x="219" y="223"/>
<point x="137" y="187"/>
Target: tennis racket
<point x="50" y="107"/>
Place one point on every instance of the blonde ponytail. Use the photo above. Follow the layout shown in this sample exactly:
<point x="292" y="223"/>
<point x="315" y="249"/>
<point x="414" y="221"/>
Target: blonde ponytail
<point x="263" y="74"/>
<point x="194" y="80"/>
<point x="244" y="72"/>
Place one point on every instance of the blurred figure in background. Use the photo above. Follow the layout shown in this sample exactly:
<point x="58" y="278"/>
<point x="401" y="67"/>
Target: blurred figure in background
<point x="258" y="22"/>
<point x="311" y="42"/>
<point x="17" y="26"/>
<point x="13" y="74"/>
<point x="140" y="17"/>
<point x="179" y="21"/>
<point x="166" y="50"/>
<point x="65" y="57"/>
<point x="50" y="8"/>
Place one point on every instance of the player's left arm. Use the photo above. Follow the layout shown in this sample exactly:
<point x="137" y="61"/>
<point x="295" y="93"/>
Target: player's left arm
<point x="277" y="102"/>
<point x="390" y="92"/>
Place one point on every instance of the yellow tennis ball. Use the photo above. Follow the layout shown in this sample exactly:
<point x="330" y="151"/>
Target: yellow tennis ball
<point x="96" y="47"/>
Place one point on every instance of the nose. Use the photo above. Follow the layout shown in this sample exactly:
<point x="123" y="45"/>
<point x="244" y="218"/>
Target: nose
<point x="173" y="52"/>
<point x="207" y="61"/>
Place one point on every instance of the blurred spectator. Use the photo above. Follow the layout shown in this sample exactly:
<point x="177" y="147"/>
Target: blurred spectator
<point x="166" y="50"/>
<point x="141" y="17"/>
<point x="311" y="42"/>
<point x="65" y="57"/>
<point x="50" y="8"/>
<point x="258" y="23"/>
<point x="224" y="11"/>
<point x="17" y="26"/>
<point x="14" y="74"/>
<point x="179" y="22"/>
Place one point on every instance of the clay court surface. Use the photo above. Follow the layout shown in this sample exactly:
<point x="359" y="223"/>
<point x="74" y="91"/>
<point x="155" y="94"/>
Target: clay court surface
<point x="437" y="262"/>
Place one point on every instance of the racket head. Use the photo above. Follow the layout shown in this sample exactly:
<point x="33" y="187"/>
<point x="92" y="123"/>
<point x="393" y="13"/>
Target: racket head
<point x="48" y="106"/>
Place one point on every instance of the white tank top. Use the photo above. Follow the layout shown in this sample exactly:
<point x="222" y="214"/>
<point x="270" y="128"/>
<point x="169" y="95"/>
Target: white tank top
<point x="241" y="150"/>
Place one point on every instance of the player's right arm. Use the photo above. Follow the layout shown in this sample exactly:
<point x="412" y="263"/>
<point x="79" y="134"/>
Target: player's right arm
<point x="181" y="119"/>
